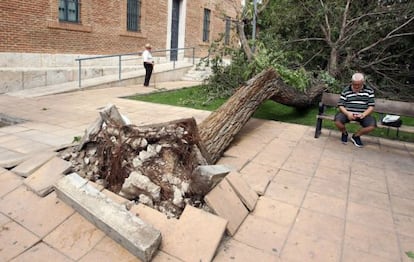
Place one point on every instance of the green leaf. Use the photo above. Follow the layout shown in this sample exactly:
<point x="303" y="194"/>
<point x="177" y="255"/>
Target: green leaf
<point x="410" y="254"/>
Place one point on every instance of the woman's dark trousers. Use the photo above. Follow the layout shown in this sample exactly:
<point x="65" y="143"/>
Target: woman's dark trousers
<point x="148" y="73"/>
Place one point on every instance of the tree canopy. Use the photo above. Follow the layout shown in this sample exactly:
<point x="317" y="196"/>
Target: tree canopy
<point x="338" y="37"/>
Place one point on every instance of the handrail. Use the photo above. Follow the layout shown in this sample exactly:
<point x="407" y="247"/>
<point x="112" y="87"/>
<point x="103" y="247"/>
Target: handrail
<point x="127" y="54"/>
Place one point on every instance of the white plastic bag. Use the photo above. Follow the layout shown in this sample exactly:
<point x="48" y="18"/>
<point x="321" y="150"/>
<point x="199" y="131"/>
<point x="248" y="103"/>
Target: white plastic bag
<point x="390" y="118"/>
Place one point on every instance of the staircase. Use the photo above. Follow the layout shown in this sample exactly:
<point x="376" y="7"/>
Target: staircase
<point x="197" y="73"/>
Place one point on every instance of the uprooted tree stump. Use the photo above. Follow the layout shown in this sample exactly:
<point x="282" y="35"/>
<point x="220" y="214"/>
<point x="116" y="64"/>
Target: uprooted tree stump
<point x="155" y="164"/>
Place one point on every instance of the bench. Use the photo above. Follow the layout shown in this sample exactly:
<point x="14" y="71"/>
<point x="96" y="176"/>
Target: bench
<point x="382" y="107"/>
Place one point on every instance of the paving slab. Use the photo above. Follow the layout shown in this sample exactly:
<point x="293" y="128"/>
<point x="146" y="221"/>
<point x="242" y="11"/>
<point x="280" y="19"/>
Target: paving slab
<point x="75" y="237"/>
<point x="39" y="253"/>
<point x="163" y="257"/>
<point x="291" y="179"/>
<point x="196" y="236"/>
<point x="26" y="146"/>
<point x="320" y="225"/>
<point x="32" y="163"/>
<point x="8" y="182"/>
<point x="258" y="176"/>
<point x="245" y="193"/>
<point x="43" y="179"/>
<point x="275" y="153"/>
<point x="22" y="204"/>
<point x="365" y="214"/>
<point x="302" y="246"/>
<point x="338" y="189"/>
<point x="288" y="194"/>
<point x="2" y="170"/>
<point x="403" y="206"/>
<point x="4" y="219"/>
<point x="351" y="254"/>
<point x="262" y="234"/>
<point x="363" y="195"/>
<point x="325" y="204"/>
<point x="407" y="244"/>
<point x="141" y="239"/>
<point x="234" y="250"/>
<point x="9" y="158"/>
<point x="224" y="201"/>
<point x="373" y="240"/>
<point x="14" y="240"/>
<point x="275" y="211"/>
<point x="161" y="222"/>
<point x="157" y="219"/>
<point x="109" y="250"/>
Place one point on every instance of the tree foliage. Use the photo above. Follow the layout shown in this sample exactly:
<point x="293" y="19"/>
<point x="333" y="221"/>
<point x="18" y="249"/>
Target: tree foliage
<point x="341" y="37"/>
<point x="331" y="40"/>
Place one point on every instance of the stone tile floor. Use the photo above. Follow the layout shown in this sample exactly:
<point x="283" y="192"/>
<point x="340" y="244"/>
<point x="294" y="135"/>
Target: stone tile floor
<point x="320" y="200"/>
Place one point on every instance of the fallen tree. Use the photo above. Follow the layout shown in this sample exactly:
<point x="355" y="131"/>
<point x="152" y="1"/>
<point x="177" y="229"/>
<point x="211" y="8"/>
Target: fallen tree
<point x="217" y="131"/>
<point x="157" y="164"/>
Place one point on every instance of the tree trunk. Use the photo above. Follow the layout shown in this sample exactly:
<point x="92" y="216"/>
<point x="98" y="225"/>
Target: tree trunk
<point x="333" y="62"/>
<point x="243" y="40"/>
<point x="217" y="131"/>
<point x="289" y="96"/>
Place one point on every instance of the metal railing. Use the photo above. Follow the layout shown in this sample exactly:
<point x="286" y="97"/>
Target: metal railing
<point x="121" y="58"/>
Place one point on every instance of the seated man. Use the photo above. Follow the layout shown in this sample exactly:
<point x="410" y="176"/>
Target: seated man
<point x="356" y="103"/>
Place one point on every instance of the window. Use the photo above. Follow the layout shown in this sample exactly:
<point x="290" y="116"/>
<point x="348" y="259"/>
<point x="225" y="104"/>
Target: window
<point x="69" y="10"/>
<point x="227" y="32"/>
<point x="133" y="15"/>
<point x="206" y="25"/>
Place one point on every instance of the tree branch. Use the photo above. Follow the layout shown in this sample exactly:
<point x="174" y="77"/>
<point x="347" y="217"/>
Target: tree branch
<point x="388" y="36"/>
<point x="327" y="29"/>
<point x="263" y="6"/>
<point x="343" y="25"/>
<point x="401" y="26"/>
<point x="306" y="39"/>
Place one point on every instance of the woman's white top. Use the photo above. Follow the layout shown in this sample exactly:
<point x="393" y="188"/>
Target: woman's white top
<point x="147" y="56"/>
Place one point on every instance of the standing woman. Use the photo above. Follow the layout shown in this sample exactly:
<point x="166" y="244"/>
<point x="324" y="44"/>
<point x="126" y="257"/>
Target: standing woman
<point x="148" y="63"/>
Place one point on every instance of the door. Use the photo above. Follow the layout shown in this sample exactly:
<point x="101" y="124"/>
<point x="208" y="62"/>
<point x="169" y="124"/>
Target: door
<point x="175" y="19"/>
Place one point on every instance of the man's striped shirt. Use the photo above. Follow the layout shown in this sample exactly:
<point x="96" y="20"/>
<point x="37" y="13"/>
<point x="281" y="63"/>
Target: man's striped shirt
<point x="357" y="102"/>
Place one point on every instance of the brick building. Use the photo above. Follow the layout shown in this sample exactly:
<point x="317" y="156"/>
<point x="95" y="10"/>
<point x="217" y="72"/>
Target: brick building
<point x="41" y="40"/>
<point x="98" y="27"/>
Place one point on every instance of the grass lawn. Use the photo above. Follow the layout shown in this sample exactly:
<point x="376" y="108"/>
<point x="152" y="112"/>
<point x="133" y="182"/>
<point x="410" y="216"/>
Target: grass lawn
<point x="196" y="97"/>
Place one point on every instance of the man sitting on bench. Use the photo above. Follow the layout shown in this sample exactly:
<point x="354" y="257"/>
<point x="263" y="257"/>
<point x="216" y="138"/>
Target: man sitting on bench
<point x="356" y="103"/>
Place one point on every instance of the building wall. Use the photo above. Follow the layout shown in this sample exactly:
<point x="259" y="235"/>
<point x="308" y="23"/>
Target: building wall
<point x="34" y="27"/>
<point x="195" y="15"/>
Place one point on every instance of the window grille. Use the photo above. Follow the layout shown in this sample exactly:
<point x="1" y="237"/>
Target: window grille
<point x="227" y="32"/>
<point x="133" y="15"/>
<point x="206" y="25"/>
<point x="69" y="10"/>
